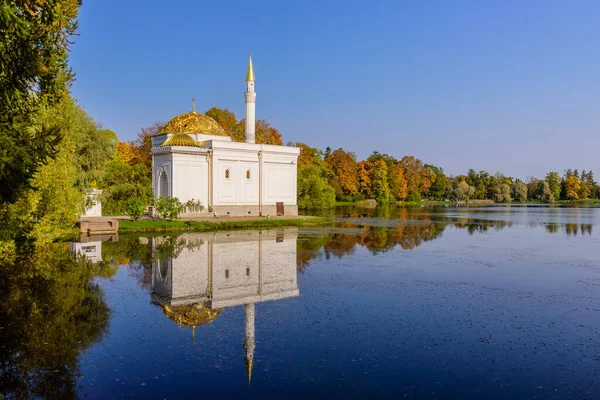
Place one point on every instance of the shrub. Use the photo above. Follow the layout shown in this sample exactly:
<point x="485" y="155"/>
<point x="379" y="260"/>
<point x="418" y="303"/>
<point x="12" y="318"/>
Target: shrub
<point x="192" y="206"/>
<point x="168" y="208"/>
<point x="135" y="208"/>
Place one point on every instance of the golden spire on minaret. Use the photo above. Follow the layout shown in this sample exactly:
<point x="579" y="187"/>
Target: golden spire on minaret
<point x="250" y="73"/>
<point x="249" y="370"/>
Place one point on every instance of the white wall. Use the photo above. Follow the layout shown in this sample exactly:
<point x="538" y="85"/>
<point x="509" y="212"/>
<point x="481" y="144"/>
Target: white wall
<point x="190" y="173"/>
<point x="279" y="183"/>
<point x="237" y="189"/>
<point x="278" y="180"/>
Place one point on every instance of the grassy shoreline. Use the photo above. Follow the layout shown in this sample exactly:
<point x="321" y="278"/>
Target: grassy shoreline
<point x="219" y="224"/>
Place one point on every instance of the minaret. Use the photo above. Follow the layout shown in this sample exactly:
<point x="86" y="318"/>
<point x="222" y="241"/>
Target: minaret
<point x="249" y="342"/>
<point x="250" y="104"/>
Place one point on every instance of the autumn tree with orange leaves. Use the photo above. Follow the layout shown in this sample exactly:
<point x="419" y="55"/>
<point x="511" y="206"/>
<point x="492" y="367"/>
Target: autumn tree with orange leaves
<point x="344" y="170"/>
<point x="265" y="133"/>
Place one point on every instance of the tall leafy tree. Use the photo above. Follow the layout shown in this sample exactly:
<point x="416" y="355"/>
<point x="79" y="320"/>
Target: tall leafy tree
<point x="544" y="193"/>
<point x="555" y="182"/>
<point x="394" y="172"/>
<point x="313" y="189"/>
<point x="54" y="200"/>
<point x="460" y="190"/>
<point x="344" y="170"/>
<point x="34" y="40"/>
<point x="379" y="181"/>
<point x="228" y="121"/>
<point x="439" y="184"/>
<point x="519" y="191"/>
<point x="503" y="193"/>
<point x="398" y="187"/>
<point x="572" y="187"/>
<point x="412" y="173"/>
<point x="265" y="132"/>
<point x="142" y="145"/>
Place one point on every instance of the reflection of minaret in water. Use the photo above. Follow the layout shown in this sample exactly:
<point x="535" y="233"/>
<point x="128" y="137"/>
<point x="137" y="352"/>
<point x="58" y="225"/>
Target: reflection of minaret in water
<point x="225" y="269"/>
<point x="249" y="341"/>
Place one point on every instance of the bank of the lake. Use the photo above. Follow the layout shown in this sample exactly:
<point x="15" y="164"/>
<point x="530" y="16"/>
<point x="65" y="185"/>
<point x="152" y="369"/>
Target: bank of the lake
<point x="373" y="203"/>
<point x="225" y="223"/>
<point x="365" y="203"/>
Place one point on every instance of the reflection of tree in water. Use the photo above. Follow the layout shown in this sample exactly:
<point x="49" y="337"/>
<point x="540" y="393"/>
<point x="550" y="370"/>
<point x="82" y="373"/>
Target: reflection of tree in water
<point x="340" y="244"/>
<point x="135" y="253"/>
<point x="50" y="311"/>
<point x="551" y="228"/>
<point x="480" y="226"/>
<point x="309" y="247"/>
<point x="570" y="229"/>
<point x="403" y="227"/>
<point x="582" y="229"/>
<point x="375" y="239"/>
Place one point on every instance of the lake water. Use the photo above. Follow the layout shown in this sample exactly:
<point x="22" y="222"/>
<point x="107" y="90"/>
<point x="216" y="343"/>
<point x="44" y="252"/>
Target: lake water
<point x="450" y="303"/>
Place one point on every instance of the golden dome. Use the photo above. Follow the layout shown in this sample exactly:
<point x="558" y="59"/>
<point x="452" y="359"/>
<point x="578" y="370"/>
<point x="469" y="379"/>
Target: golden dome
<point x="180" y="139"/>
<point x="191" y="315"/>
<point x="193" y="122"/>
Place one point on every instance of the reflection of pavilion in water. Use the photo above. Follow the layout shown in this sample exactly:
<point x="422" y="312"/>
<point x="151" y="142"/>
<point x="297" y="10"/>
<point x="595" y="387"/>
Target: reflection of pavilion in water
<point x="196" y="275"/>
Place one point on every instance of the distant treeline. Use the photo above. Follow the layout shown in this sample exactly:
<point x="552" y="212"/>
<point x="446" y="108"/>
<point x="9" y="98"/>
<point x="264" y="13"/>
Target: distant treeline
<point x="327" y="176"/>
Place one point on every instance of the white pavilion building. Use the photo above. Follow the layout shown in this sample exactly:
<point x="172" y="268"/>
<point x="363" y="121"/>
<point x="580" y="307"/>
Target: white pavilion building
<point x="193" y="158"/>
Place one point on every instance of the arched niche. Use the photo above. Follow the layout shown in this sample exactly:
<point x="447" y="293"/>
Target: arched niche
<point x="163" y="184"/>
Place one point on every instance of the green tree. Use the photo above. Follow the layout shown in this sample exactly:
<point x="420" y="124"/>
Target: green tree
<point x="503" y="193"/>
<point x="460" y="191"/>
<point x="555" y="183"/>
<point x="123" y="182"/>
<point x="481" y="189"/>
<point x="395" y="186"/>
<point x="491" y="187"/>
<point x="54" y="201"/>
<point x="544" y="193"/>
<point x="519" y="191"/>
<point x="439" y="184"/>
<point x="34" y="40"/>
<point x="379" y="182"/>
<point x="313" y="189"/>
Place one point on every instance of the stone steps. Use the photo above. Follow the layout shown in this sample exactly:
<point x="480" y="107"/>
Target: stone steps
<point x="99" y="226"/>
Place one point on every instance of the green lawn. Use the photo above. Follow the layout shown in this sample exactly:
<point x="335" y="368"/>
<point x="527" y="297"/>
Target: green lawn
<point x="223" y="224"/>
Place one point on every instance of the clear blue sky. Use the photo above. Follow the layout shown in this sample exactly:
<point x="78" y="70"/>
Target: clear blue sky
<point x="509" y="86"/>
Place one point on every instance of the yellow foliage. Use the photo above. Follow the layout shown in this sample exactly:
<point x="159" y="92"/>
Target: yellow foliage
<point x="573" y="187"/>
<point x="124" y="152"/>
